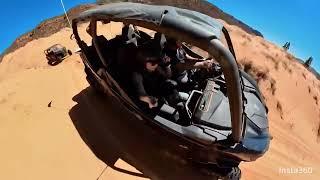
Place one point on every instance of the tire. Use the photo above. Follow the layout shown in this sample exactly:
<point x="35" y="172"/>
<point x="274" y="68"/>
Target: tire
<point x="221" y="173"/>
<point x="233" y="174"/>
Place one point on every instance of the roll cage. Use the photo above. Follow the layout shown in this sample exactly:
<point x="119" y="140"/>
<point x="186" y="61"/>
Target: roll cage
<point x="169" y="21"/>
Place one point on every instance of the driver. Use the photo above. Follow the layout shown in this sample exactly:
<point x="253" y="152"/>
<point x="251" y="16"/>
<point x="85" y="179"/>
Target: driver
<point x="180" y="61"/>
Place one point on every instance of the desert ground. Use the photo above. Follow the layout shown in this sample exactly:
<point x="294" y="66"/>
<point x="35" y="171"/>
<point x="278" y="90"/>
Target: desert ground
<point x="53" y="126"/>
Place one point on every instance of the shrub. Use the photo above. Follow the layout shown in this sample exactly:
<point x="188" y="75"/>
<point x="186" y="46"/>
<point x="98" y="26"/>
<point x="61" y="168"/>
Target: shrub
<point x="279" y="108"/>
<point x="315" y="99"/>
<point x="257" y="73"/>
<point x="285" y="65"/>
<point x="304" y="75"/>
<point x="275" y="61"/>
<point x="291" y="125"/>
<point x="309" y="89"/>
<point x="319" y="131"/>
<point x="289" y="56"/>
<point x="273" y="86"/>
<point x="264" y="45"/>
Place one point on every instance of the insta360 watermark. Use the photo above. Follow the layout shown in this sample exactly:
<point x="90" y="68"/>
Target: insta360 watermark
<point x="295" y="170"/>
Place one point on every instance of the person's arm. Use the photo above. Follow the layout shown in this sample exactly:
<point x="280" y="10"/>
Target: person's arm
<point x="193" y="65"/>
<point x="190" y="58"/>
<point x="151" y="101"/>
<point x="187" y="57"/>
<point x="138" y="86"/>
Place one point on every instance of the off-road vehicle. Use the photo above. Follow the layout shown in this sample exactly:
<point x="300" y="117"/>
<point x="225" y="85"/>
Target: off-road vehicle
<point x="225" y="113"/>
<point x="57" y="53"/>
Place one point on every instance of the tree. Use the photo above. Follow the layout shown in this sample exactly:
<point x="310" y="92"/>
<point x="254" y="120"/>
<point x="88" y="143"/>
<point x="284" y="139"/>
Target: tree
<point x="308" y="62"/>
<point x="286" y="46"/>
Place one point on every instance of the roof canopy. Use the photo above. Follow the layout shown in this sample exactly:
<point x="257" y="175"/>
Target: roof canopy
<point x="188" y="21"/>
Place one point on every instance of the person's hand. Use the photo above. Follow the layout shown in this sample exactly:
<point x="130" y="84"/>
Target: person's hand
<point x="151" y="101"/>
<point x="207" y="64"/>
<point x="166" y="59"/>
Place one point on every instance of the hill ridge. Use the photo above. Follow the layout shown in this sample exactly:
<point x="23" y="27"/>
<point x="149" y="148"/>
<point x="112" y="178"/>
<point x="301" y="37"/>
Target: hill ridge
<point x="46" y="28"/>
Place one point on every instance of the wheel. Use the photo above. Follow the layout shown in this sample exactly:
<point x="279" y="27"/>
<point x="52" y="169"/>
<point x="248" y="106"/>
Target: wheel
<point x="218" y="172"/>
<point x="233" y="173"/>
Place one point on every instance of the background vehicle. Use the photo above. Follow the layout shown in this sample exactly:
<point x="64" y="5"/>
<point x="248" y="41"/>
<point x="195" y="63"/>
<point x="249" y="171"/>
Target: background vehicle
<point x="226" y="113"/>
<point x="56" y="53"/>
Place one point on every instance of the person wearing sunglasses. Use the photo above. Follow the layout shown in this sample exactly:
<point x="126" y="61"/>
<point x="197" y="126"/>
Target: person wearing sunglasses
<point x="181" y="62"/>
<point x="147" y="80"/>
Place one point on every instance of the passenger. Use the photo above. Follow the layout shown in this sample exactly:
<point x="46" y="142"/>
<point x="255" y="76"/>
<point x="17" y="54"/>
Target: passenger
<point x="181" y="62"/>
<point x="129" y="34"/>
<point x="147" y="83"/>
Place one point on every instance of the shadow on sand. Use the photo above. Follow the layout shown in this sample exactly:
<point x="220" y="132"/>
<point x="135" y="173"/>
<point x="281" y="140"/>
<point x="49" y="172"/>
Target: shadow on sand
<point x="111" y="134"/>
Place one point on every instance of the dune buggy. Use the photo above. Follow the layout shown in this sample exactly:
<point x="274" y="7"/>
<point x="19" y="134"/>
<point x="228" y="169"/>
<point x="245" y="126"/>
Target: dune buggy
<point x="226" y="114"/>
<point x="57" y="53"/>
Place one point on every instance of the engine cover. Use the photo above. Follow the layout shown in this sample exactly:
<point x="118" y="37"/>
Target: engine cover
<point x="213" y="108"/>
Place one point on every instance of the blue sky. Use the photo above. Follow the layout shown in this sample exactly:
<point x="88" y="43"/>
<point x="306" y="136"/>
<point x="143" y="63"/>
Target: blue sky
<point x="19" y="16"/>
<point x="279" y="21"/>
<point x="297" y="21"/>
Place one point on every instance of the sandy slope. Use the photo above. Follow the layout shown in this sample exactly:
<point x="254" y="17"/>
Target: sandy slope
<point x="66" y="140"/>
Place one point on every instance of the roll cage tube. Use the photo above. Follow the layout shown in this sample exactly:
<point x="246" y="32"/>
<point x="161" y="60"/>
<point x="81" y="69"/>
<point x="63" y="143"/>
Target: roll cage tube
<point x="229" y="42"/>
<point x="231" y="72"/>
<point x="231" y="49"/>
<point x="212" y="45"/>
<point x="93" y="27"/>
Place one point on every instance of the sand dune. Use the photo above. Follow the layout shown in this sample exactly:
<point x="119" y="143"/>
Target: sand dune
<point x="82" y="136"/>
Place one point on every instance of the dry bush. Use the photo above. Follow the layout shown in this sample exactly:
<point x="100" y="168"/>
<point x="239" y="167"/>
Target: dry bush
<point x="244" y="36"/>
<point x="273" y="86"/>
<point x="259" y="74"/>
<point x="280" y="109"/>
<point x="256" y="72"/>
<point x="276" y="63"/>
<point x="319" y="131"/>
<point x="268" y="56"/>
<point x="271" y="137"/>
<point x="249" y="38"/>
<point x="289" y="56"/>
<point x="244" y="43"/>
<point x="285" y="65"/>
<point x="309" y="89"/>
<point x="304" y="75"/>
<point x="316" y="99"/>
<point x="291" y="125"/>
<point x="264" y="98"/>
<point x="264" y="45"/>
